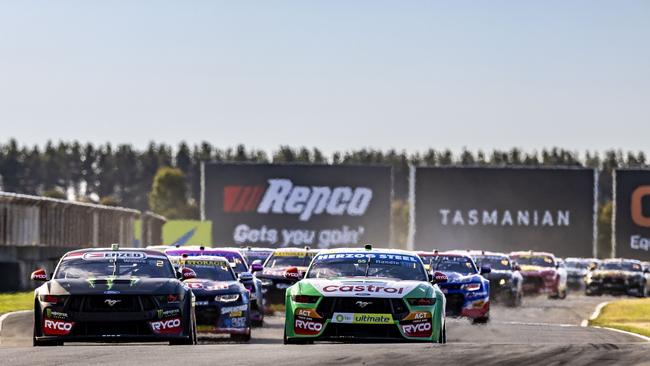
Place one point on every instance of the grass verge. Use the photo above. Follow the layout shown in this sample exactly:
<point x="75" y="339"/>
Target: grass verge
<point x="631" y="315"/>
<point x="16" y="301"/>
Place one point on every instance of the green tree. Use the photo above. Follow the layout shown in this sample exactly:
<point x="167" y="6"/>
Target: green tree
<point x="168" y="196"/>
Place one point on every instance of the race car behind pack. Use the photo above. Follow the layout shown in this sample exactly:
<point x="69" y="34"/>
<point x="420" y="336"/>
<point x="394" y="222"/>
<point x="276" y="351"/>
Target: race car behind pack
<point x="282" y="269"/>
<point x="241" y="269"/>
<point x="222" y="301"/>
<point x="466" y="290"/>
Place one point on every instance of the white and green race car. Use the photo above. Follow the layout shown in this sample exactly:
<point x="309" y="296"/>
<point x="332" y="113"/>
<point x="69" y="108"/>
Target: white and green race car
<point x="365" y="294"/>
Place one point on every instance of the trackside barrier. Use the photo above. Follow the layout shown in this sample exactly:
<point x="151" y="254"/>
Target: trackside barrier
<point x="36" y="231"/>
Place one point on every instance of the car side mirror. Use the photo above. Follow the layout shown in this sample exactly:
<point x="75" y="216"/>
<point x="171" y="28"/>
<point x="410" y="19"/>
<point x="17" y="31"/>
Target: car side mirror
<point x="256" y="266"/>
<point x="647" y="270"/>
<point x="293" y="273"/>
<point x="485" y="270"/>
<point x="439" y="277"/>
<point x="39" y="275"/>
<point x="557" y="265"/>
<point x="245" y="277"/>
<point x="187" y="274"/>
<point x="516" y="267"/>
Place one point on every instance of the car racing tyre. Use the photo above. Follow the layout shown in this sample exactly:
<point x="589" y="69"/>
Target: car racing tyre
<point x="482" y="320"/>
<point x="189" y="341"/>
<point x="515" y="300"/>
<point x="592" y="293"/>
<point x="287" y="340"/>
<point x="442" y="339"/>
<point x="241" y="338"/>
<point x="258" y="323"/>
<point x="41" y="343"/>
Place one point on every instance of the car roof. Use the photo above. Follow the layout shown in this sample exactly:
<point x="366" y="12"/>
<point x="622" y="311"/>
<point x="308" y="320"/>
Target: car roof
<point x="296" y="250"/>
<point x="257" y="249"/>
<point x="532" y="252"/>
<point x="363" y="250"/>
<point x="449" y="253"/>
<point x="486" y="252"/>
<point x="198" y="249"/>
<point x="203" y="258"/>
<point x="612" y="260"/>
<point x="580" y="259"/>
<point x="92" y="250"/>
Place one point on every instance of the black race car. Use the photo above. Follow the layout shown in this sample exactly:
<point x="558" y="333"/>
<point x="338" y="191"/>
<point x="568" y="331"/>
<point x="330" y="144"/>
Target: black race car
<point x="282" y="269"/>
<point x="618" y="276"/>
<point x="577" y="269"/>
<point x="504" y="276"/>
<point x="113" y="295"/>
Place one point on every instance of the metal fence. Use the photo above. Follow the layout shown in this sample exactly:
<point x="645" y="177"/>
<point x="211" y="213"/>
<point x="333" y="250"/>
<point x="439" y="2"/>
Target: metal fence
<point x="38" y="221"/>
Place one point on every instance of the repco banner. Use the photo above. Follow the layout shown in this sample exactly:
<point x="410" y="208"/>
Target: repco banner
<point x="504" y="209"/>
<point x="320" y="206"/>
<point x="631" y="215"/>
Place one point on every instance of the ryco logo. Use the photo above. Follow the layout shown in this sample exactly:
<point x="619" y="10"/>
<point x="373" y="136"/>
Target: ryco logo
<point x="282" y="197"/>
<point x="167" y="326"/>
<point x="637" y="206"/>
<point x="307" y="327"/>
<point x="417" y="330"/>
<point x="56" y="327"/>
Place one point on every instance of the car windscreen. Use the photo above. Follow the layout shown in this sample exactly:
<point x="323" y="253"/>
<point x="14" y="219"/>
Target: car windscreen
<point x="577" y="264"/>
<point x="621" y="266"/>
<point x="495" y="262"/>
<point x="118" y="264"/>
<point x="535" y="260"/>
<point x="289" y="259"/>
<point x="256" y="256"/>
<point x="210" y="270"/>
<point x="376" y="265"/>
<point x="451" y="263"/>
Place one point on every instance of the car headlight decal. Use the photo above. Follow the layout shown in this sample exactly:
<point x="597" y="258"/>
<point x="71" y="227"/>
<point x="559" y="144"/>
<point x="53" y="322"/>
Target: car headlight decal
<point x="227" y="297"/>
<point x="471" y="287"/>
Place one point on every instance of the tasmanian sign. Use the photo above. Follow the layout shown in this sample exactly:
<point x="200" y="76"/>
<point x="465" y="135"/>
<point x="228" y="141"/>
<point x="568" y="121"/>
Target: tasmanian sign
<point x="632" y="214"/>
<point x="275" y="205"/>
<point x="504" y="209"/>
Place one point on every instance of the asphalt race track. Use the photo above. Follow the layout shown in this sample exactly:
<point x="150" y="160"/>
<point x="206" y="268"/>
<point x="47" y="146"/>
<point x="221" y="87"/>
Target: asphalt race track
<point x="541" y="332"/>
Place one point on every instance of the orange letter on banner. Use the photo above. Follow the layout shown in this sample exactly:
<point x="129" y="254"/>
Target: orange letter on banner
<point x="637" y="206"/>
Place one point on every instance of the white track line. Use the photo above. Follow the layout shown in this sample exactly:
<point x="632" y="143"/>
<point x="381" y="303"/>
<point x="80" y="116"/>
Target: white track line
<point x="647" y="339"/>
<point x="596" y="313"/>
<point x="539" y="324"/>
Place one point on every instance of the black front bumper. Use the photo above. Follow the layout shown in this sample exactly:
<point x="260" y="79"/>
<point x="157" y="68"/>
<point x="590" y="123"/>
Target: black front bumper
<point x="128" y="321"/>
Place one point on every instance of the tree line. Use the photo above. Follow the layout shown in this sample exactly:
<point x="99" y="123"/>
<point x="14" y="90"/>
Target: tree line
<point x="122" y="174"/>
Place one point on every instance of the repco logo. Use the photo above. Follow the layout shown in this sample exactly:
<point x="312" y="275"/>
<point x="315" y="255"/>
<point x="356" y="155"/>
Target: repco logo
<point x="637" y="206"/>
<point x="282" y="197"/>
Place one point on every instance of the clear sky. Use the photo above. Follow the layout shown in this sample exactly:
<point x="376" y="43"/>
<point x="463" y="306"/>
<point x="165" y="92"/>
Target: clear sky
<point x="333" y="74"/>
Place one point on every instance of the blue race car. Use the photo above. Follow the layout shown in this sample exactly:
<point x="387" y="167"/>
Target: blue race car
<point x="466" y="290"/>
<point x="241" y="269"/>
<point x="222" y="301"/>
